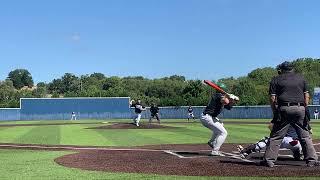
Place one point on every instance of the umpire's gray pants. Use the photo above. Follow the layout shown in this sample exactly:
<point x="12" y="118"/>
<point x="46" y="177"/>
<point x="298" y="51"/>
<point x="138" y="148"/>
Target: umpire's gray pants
<point x="293" y="115"/>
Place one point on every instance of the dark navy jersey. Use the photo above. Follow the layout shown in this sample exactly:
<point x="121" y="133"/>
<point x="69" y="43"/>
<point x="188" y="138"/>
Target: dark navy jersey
<point x="190" y="110"/>
<point x="154" y="109"/>
<point x="137" y="108"/>
<point x="289" y="88"/>
<point x="215" y="106"/>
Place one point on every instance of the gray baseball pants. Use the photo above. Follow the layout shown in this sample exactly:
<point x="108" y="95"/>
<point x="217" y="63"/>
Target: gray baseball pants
<point x="293" y="115"/>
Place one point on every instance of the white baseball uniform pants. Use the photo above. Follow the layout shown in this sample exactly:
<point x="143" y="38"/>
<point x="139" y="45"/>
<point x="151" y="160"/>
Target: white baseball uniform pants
<point x="137" y="118"/>
<point x="219" y="133"/>
<point x="284" y="144"/>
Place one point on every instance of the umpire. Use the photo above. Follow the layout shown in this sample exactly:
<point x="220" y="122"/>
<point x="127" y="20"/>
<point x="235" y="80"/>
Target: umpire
<point x="290" y="97"/>
<point x="154" y="110"/>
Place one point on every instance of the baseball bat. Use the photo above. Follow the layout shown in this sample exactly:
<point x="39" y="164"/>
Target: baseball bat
<point x="216" y="87"/>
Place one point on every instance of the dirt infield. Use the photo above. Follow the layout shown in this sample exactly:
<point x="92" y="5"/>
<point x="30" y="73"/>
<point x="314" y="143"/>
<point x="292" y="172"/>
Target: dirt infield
<point x="133" y="126"/>
<point x="186" y="160"/>
<point x="171" y="159"/>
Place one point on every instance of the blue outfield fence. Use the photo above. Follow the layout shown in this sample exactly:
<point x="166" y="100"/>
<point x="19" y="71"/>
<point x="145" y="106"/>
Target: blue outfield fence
<point x="8" y="114"/>
<point x="237" y="112"/>
<point x="61" y="109"/>
<point x="115" y="108"/>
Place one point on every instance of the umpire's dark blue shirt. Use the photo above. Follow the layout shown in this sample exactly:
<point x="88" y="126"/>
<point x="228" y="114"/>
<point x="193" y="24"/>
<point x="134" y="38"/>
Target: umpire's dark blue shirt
<point x="288" y="88"/>
<point x="154" y="109"/>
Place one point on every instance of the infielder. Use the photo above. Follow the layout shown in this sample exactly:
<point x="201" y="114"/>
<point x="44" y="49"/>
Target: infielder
<point x="73" y="116"/>
<point x="154" y="110"/>
<point x="210" y="120"/>
<point x="138" y="108"/>
<point x="316" y="114"/>
<point x="190" y="113"/>
<point x="290" y="141"/>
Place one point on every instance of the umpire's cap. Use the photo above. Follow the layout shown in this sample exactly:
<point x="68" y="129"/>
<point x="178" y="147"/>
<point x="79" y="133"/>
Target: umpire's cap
<point x="285" y="66"/>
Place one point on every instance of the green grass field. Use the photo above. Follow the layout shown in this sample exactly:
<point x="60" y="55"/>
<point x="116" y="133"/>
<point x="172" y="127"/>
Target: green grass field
<point x="29" y="164"/>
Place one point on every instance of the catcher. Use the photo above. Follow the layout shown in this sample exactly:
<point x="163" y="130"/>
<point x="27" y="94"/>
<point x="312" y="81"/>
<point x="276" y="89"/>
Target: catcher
<point x="289" y="142"/>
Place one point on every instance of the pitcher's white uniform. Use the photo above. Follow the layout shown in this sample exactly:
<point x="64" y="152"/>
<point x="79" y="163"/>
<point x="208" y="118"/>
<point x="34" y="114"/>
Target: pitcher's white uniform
<point x="138" y="108"/>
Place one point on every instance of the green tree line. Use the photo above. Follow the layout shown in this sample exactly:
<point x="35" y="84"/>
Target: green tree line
<point x="168" y="91"/>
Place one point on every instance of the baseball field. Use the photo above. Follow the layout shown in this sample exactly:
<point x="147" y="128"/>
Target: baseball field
<point x="96" y="149"/>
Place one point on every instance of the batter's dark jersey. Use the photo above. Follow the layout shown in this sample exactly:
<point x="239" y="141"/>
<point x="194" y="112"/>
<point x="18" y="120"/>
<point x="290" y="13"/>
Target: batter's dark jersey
<point x="289" y="88"/>
<point x="215" y="107"/>
<point x="154" y="110"/>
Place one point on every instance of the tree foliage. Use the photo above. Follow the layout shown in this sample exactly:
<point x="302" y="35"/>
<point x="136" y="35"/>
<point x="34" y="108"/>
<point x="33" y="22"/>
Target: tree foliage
<point x="174" y="90"/>
<point x="20" y="78"/>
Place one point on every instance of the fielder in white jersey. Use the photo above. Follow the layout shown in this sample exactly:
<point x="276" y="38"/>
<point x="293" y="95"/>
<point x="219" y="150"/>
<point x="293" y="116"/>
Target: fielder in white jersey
<point x="73" y="116"/>
<point x="210" y="120"/>
<point x="316" y="114"/>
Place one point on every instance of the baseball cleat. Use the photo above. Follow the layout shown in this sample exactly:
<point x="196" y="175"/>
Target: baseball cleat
<point x="240" y="148"/>
<point x="266" y="164"/>
<point x="243" y="155"/>
<point x="298" y="156"/>
<point x="216" y="153"/>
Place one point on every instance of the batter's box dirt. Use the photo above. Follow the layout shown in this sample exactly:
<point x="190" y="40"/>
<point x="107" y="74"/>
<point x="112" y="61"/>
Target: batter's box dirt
<point x="283" y="160"/>
<point x="189" y="154"/>
<point x="133" y="126"/>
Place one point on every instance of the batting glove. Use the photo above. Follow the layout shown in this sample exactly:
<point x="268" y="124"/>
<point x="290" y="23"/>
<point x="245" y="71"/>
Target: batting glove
<point x="232" y="96"/>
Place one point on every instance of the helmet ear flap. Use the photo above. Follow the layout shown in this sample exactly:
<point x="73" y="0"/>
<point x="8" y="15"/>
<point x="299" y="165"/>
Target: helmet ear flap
<point x="278" y="69"/>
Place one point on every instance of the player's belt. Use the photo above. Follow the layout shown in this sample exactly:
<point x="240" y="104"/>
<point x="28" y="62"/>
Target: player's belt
<point x="291" y="104"/>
